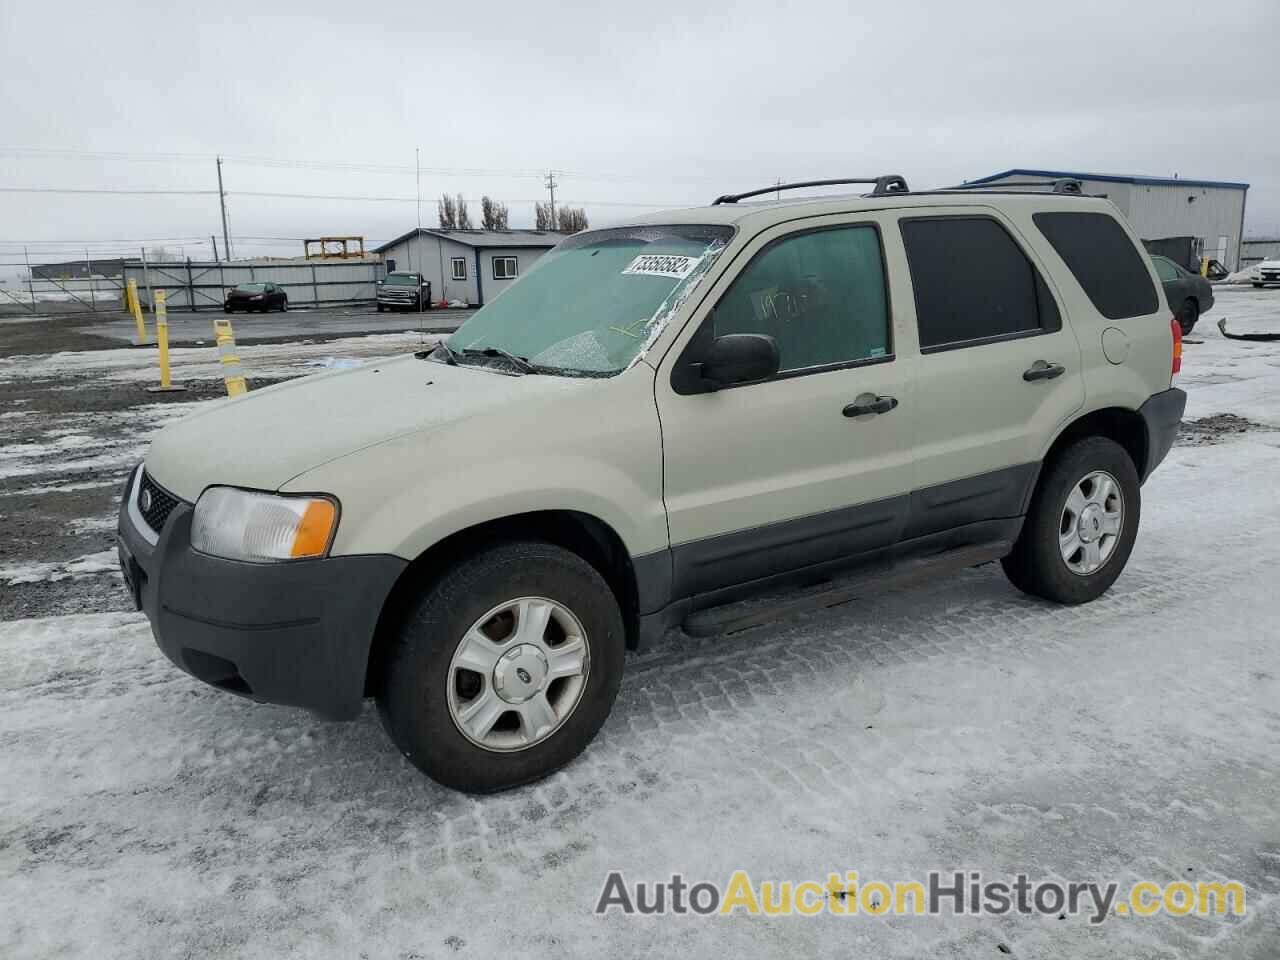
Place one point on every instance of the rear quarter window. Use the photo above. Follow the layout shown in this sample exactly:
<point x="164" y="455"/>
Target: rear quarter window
<point x="1103" y="260"/>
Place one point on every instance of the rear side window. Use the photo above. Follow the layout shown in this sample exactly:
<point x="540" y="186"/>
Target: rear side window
<point x="1103" y="260"/>
<point x="1165" y="269"/>
<point x="973" y="284"/>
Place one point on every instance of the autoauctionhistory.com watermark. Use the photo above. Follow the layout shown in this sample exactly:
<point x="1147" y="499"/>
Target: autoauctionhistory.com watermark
<point x="938" y="893"/>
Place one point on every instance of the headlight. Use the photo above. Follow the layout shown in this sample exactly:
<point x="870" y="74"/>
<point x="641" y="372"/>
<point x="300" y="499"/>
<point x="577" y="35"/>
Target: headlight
<point x="246" y="525"/>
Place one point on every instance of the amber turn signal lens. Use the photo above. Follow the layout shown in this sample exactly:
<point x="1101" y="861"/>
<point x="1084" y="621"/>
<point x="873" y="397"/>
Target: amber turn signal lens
<point x="314" y="529"/>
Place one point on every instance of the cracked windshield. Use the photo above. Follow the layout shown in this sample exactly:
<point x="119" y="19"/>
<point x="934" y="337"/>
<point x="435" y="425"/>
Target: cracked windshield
<point x="591" y="304"/>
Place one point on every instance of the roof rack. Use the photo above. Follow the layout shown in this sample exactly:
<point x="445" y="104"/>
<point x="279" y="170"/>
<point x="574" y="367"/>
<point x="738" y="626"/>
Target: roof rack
<point x="1068" y="185"/>
<point x="892" y="183"/>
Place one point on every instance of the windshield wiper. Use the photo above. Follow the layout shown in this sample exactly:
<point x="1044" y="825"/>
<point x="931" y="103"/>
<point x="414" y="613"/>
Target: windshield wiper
<point x="450" y="356"/>
<point x="520" y="363"/>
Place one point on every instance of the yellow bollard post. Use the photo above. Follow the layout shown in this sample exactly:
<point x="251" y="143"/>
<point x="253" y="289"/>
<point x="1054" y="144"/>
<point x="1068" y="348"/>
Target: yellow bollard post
<point x="1204" y="266"/>
<point x="162" y="341"/>
<point x="232" y="373"/>
<point x="131" y="299"/>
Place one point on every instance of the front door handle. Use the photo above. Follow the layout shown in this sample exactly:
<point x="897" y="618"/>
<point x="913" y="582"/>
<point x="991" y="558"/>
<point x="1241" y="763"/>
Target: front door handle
<point x="860" y="408"/>
<point x="1043" y="371"/>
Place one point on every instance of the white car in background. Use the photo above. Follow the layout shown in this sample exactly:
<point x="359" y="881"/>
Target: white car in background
<point x="1268" y="271"/>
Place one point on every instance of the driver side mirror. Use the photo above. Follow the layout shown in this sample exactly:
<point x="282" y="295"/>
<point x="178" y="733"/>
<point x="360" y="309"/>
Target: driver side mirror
<point x="739" y="358"/>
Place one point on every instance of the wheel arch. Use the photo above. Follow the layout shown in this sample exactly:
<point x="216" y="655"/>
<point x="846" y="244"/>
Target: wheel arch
<point x="581" y="533"/>
<point x="1126" y="427"/>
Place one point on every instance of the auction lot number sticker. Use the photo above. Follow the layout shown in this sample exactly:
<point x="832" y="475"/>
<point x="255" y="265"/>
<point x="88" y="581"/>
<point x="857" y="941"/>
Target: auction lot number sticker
<point x="662" y="265"/>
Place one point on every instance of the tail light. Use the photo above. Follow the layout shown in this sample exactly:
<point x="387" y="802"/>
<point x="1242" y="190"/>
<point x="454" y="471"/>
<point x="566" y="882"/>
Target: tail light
<point x="1177" y="345"/>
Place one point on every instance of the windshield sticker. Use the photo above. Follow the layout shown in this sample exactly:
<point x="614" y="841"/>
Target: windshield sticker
<point x="662" y="265"/>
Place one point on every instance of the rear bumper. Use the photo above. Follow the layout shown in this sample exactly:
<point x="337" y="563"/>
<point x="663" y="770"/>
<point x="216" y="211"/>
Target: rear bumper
<point x="295" y="633"/>
<point x="1162" y="414"/>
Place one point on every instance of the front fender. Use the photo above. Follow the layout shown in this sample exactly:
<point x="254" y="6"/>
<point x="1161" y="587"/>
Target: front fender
<point x="597" y="453"/>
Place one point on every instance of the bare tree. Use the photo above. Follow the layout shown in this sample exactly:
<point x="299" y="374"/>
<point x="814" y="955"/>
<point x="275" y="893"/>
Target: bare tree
<point x="572" y="219"/>
<point x="448" y="212"/>
<point x="493" y="215"/>
<point x="464" y="217"/>
<point x="542" y="217"/>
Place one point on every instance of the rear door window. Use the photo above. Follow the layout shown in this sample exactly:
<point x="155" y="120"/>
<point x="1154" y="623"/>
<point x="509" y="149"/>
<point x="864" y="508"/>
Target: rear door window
<point x="1103" y="260"/>
<point x="973" y="284"/>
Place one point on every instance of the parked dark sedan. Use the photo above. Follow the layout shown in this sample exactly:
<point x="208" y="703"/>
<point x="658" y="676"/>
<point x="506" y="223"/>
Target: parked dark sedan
<point x="1190" y="295"/>
<point x="256" y="296"/>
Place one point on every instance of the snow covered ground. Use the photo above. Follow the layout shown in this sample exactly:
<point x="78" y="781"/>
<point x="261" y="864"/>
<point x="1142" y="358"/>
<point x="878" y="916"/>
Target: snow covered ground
<point x="956" y="726"/>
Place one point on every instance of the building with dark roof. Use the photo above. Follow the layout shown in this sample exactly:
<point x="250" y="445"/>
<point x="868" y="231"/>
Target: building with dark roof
<point x="469" y="265"/>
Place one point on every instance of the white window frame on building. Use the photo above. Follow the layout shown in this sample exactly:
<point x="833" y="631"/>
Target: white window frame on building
<point x="506" y="274"/>
<point x="458" y="266"/>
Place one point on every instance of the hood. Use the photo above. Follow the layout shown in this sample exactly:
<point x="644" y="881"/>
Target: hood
<point x="265" y="438"/>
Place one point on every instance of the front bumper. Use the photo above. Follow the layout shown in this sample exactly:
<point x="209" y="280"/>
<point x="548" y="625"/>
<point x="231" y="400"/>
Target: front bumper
<point x="295" y="633"/>
<point x="1162" y="414"/>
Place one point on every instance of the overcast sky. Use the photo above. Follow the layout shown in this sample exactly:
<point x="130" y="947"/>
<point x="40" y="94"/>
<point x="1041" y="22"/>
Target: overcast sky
<point x="634" y="104"/>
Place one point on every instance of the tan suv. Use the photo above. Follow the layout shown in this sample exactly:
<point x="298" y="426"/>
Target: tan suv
<point x="661" y="420"/>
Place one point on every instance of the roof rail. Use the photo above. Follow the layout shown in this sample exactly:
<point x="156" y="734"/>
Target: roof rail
<point x="891" y="183"/>
<point x="1062" y="185"/>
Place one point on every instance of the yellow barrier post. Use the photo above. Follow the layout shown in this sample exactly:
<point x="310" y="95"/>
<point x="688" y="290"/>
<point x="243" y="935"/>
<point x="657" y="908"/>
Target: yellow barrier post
<point x="162" y="341"/>
<point x="131" y="299"/>
<point x="232" y="373"/>
<point x="1204" y="266"/>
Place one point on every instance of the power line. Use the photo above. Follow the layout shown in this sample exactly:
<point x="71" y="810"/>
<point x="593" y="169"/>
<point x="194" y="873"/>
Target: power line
<point x="357" y="166"/>
<point x="112" y="190"/>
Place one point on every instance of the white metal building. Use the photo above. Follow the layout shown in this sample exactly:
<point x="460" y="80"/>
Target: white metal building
<point x="1209" y="211"/>
<point x="469" y="265"/>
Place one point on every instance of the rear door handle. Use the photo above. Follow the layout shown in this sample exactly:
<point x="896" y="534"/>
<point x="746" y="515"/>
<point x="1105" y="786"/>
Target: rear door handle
<point x="878" y="405"/>
<point x="1043" y="371"/>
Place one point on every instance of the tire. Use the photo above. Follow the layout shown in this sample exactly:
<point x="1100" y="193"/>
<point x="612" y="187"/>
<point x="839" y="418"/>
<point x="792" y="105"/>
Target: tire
<point x="1037" y="565"/>
<point x="421" y="687"/>
<point x="380" y="307"/>
<point x="1188" y="315"/>
<point x="284" y="305"/>
<point x="1257" y="286"/>
<point x="226" y="309"/>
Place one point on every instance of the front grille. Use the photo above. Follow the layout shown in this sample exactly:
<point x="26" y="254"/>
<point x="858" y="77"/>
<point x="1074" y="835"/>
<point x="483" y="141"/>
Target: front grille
<point x="161" y="502"/>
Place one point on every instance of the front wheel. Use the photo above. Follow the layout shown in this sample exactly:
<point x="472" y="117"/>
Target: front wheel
<point x="284" y="305"/>
<point x="505" y="670"/>
<point x="1082" y="524"/>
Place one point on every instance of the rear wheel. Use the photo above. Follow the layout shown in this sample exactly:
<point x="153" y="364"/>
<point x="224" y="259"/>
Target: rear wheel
<point x="1258" y="286"/>
<point x="1188" y="315"/>
<point x="284" y="305"/>
<point x="1081" y="526"/>
<point x="505" y="670"/>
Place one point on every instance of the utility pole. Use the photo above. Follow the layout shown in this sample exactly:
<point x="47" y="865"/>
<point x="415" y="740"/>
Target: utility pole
<point x="551" y="185"/>
<point x="222" y="198"/>
<point x="214" y="242"/>
<point x="417" y="237"/>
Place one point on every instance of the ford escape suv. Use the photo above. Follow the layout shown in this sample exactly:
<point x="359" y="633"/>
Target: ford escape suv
<point x="662" y="420"/>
